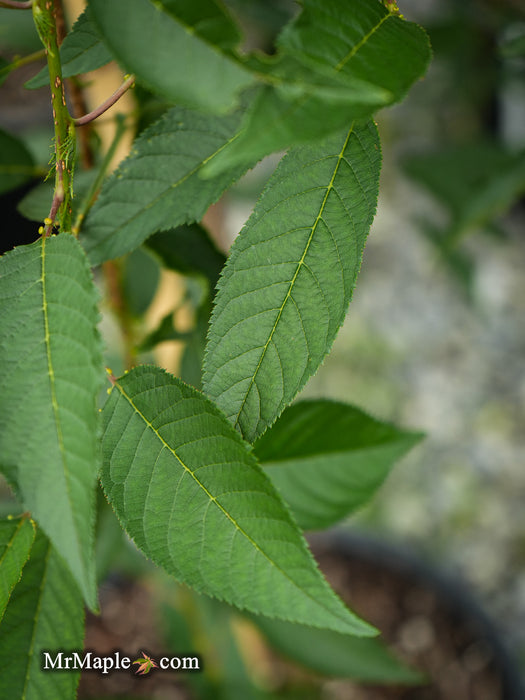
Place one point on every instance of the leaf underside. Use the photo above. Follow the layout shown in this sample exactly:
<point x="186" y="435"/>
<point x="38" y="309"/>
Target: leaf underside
<point x="50" y="372"/>
<point x="45" y="613"/>
<point x="188" y="491"/>
<point x="287" y="284"/>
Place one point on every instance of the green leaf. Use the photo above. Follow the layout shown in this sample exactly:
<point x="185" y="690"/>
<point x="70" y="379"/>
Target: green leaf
<point x="513" y="46"/>
<point x="189" y="250"/>
<point x="327" y="459"/>
<point x="45" y="613"/>
<point x="17" y="32"/>
<point x="178" y="64"/>
<point x="269" y="16"/>
<point x="50" y="373"/>
<point x="475" y="181"/>
<point x="289" y="279"/>
<point x="140" y="279"/>
<point x="235" y="680"/>
<point x="158" y="186"/>
<point x="81" y="51"/>
<point x="338" y="61"/>
<point x="358" y="39"/>
<point x="16" y="539"/>
<point x="5" y="69"/>
<point x="37" y="203"/>
<point x="188" y="491"/>
<point x="192" y="359"/>
<point x="209" y="20"/>
<point x="16" y="163"/>
<point x="338" y="655"/>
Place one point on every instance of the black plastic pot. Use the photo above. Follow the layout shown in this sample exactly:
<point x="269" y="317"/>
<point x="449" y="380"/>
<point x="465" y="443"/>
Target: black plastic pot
<point x="431" y="619"/>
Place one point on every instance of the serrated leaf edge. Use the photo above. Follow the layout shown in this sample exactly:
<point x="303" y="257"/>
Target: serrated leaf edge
<point x="366" y="629"/>
<point x="54" y="403"/>
<point x="113" y="231"/>
<point x="292" y="282"/>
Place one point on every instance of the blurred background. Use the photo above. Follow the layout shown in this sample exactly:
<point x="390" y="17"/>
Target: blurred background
<point x="435" y="336"/>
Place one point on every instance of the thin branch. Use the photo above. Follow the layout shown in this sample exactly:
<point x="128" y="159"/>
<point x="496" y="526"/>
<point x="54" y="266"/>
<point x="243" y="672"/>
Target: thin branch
<point x="129" y="82"/>
<point x="22" y="61"/>
<point x="14" y="5"/>
<point x="60" y="22"/>
<point x="45" y="22"/>
<point x="78" y="108"/>
<point x="58" y="198"/>
<point x="76" y="97"/>
<point x="88" y="200"/>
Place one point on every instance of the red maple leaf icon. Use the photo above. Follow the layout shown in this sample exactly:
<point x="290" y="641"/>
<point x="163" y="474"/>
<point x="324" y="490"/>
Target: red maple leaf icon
<point x="146" y="664"/>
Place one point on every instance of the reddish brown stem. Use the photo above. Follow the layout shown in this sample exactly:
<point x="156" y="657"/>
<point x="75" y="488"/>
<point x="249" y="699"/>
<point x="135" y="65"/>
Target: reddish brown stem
<point x="76" y="98"/>
<point x="107" y="104"/>
<point x="60" y="22"/>
<point x="58" y="198"/>
<point x="14" y="5"/>
<point x="111" y="377"/>
<point x="78" y="108"/>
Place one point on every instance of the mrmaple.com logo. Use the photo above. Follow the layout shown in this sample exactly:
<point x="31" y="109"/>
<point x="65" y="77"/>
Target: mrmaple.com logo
<point x="88" y="661"/>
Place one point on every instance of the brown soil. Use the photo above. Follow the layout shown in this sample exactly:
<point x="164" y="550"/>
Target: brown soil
<point x="427" y="622"/>
<point x="432" y="628"/>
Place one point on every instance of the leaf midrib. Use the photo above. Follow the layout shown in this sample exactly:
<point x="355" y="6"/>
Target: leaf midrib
<point x="294" y="278"/>
<point x="214" y="500"/>
<point x="361" y="43"/>
<point x="54" y="402"/>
